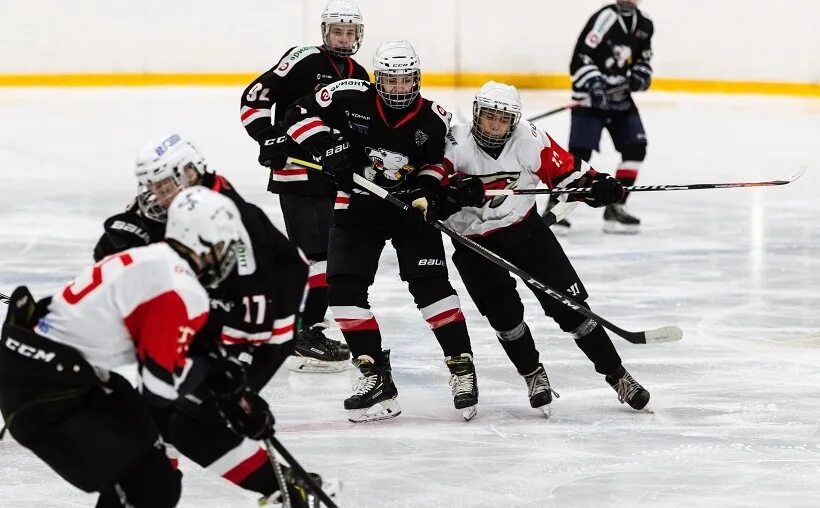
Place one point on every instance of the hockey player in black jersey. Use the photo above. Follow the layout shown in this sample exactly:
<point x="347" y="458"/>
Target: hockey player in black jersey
<point x="252" y="317"/>
<point x="611" y="61"/>
<point x="391" y="135"/>
<point x="496" y="151"/>
<point x="306" y="199"/>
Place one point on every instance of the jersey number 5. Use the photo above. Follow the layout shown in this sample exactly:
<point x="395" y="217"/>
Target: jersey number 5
<point x="96" y="278"/>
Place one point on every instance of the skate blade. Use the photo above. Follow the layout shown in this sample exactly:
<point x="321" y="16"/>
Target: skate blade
<point x="616" y="228"/>
<point x="380" y="411"/>
<point x="331" y="486"/>
<point x="546" y="409"/>
<point x="468" y="412"/>
<point x="313" y="366"/>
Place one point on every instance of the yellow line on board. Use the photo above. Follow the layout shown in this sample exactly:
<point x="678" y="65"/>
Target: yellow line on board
<point x="468" y="80"/>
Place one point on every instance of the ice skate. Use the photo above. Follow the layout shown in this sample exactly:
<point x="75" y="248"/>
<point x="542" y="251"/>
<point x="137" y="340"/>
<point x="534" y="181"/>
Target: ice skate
<point x="317" y="353"/>
<point x="618" y="220"/>
<point x="374" y="394"/>
<point x="540" y="391"/>
<point x="629" y="390"/>
<point x="464" y="384"/>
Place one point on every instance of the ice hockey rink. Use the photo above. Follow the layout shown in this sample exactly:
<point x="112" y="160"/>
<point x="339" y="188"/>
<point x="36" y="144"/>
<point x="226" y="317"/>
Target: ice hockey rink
<point x="735" y="403"/>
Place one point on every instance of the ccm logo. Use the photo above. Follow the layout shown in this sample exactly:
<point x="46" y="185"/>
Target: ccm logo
<point x="31" y="352"/>
<point x="275" y="141"/>
<point x="431" y="262"/>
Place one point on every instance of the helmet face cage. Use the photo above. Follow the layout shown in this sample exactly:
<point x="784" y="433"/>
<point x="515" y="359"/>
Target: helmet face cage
<point x="497" y="113"/>
<point x="219" y="262"/>
<point x="154" y="195"/>
<point x="394" y="98"/>
<point x="341" y="51"/>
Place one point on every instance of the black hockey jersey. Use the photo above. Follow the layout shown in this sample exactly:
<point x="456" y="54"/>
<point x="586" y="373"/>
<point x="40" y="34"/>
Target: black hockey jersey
<point x="253" y="308"/>
<point x="609" y="46"/>
<point x="302" y="70"/>
<point x="391" y="148"/>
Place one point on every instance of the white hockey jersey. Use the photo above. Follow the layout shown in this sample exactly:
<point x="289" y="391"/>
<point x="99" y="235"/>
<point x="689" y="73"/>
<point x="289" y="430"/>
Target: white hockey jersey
<point x="528" y="158"/>
<point x="141" y="305"/>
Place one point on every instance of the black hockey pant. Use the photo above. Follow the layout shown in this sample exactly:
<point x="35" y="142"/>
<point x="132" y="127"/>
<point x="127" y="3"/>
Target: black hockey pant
<point x="531" y="246"/>
<point x="99" y="436"/>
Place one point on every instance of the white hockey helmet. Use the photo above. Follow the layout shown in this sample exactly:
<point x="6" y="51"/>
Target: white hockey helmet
<point x="496" y="112"/>
<point x="205" y="228"/>
<point x="163" y="168"/>
<point x="397" y="70"/>
<point x="627" y="6"/>
<point x="342" y="12"/>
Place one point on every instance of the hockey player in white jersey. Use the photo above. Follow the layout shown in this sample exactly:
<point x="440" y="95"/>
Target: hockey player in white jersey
<point x="58" y="394"/>
<point x="498" y="151"/>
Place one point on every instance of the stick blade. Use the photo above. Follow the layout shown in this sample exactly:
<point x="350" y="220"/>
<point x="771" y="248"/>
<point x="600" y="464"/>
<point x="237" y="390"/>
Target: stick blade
<point x="663" y="334"/>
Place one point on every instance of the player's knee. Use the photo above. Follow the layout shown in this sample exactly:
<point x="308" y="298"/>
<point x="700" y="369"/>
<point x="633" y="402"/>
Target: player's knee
<point x="504" y="314"/>
<point x="633" y="152"/>
<point x="582" y="153"/>
<point x="512" y="334"/>
<point x="430" y="289"/>
<point x="347" y="290"/>
<point x="151" y="483"/>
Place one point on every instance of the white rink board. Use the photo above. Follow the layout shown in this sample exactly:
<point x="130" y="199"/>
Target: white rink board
<point x="736" y="406"/>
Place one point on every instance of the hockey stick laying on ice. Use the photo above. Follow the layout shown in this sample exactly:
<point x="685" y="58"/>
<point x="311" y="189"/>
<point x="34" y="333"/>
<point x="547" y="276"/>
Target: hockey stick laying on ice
<point x="272" y="443"/>
<point x="663" y="334"/>
<point x="648" y="188"/>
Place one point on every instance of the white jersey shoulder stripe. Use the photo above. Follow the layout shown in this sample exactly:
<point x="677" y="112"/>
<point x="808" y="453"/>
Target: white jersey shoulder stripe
<point x="600" y="27"/>
<point x="293" y="57"/>
<point x="442" y="113"/>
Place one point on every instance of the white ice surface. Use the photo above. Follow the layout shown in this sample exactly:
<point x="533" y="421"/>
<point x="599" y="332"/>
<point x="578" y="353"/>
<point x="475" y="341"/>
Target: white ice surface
<point x="736" y="401"/>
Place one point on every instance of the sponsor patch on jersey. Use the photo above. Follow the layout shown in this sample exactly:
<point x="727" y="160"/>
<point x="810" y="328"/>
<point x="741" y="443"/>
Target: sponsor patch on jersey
<point x="421" y="137"/>
<point x="443" y="114"/>
<point x="602" y="24"/>
<point x="292" y="58"/>
<point x="325" y="95"/>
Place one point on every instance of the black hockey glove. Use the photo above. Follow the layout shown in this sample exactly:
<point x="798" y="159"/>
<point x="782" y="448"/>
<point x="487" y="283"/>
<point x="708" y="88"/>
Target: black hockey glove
<point x="605" y="190"/>
<point x="640" y="78"/>
<point x="273" y="145"/>
<point x="424" y="198"/>
<point x="598" y="97"/>
<point x="336" y="161"/>
<point x="226" y="377"/>
<point x="248" y="414"/>
<point x="469" y="191"/>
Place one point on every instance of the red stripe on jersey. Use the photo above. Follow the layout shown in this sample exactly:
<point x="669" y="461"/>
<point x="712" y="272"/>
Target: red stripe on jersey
<point x="342" y="200"/>
<point x="445" y="318"/>
<point x="283" y="329"/>
<point x="247" y="467"/>
<point x="357" y="325"/>
<point x="290" y="171"/>
<point x="162" y="331"/>
<point x="436" y="168"/>
<point x="248" y="113"/>
<point x="301" y="130"/>
<point x="317" y="281"/>
<point x="626" y="173"/>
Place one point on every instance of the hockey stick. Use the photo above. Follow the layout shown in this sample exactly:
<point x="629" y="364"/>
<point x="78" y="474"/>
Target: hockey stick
<point x="272" y="443"/>
<point x="647" y="188"/>
<point x="657" y="335"/>
<point x="571" y="105"/>
<point x="4" y="298"/>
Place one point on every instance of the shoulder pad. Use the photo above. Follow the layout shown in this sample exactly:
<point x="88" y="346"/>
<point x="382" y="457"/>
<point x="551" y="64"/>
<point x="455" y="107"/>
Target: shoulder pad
<point x="603" y="22"/>
<point x="442" y="113"/>
<point x="293" y="57"/>
<point x="325" y="95"/>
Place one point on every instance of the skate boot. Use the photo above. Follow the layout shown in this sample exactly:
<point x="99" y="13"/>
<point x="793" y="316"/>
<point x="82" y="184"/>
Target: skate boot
<point x="374" y="394"/>
<point x="561" y="227"/>
<point x="299" y="494"/>
<point x="463" y="383"/>
<point x="540" y="391"/>
<point x="618" y="220"/>
<point x="629" y="390"/>
<point x="317" y="353"/>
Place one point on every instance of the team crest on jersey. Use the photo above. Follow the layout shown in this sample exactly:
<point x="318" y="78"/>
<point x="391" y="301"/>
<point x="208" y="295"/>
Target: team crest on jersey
<point x="621" y="57"/>
<point x="421" y="137"/>
<point x="496" y="181"/>
<point x="388" y="168"/>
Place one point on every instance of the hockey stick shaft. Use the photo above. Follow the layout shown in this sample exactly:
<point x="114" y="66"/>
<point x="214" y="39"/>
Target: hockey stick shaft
<point x="665" y="334"/>
<point x="647" y="188"/>
<point x="274" y="443"/>
<point x="4" y="298"/>
<point x="571" y="105"/>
